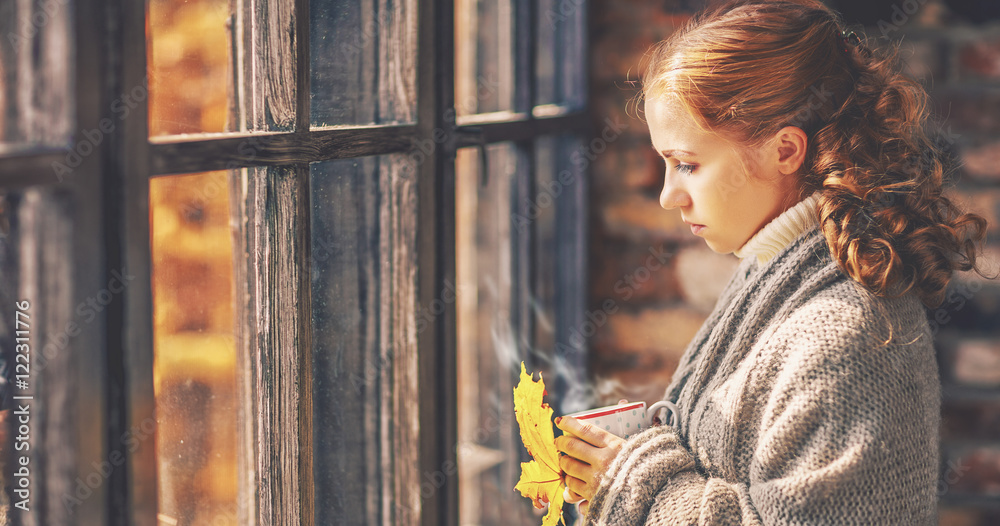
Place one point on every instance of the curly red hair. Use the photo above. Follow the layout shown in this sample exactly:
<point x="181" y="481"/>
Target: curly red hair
<point x="748" y="69"/>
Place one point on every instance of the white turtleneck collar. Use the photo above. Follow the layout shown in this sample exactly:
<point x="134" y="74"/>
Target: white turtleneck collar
<point x="781" y="231"/>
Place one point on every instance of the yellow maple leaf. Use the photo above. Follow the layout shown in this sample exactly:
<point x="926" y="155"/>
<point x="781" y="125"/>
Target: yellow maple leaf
<point x="540" y="477"/>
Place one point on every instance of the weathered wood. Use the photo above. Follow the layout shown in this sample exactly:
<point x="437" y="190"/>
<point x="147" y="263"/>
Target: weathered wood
<point x="182" y="154"/>
<point x="524" y="127"/>
<point x="436" y="261"/>
<point x="399" y="326"/>
<point x="273" y="334"/>
<point x="31" y="167"/>
<point x="271" y="65"/>
<point x="276" y="333"/>
<point x="96" y="247"/>
<point x="130" y="169"/>
<point x="246" y="399"/>
<point x="397" y="75"/>
<point x="306" y="444"/>
<point x="303" y="75"/>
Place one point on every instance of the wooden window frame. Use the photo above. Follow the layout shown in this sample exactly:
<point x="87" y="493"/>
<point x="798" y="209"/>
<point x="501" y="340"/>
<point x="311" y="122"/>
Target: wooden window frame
<point x="111" y="231"/>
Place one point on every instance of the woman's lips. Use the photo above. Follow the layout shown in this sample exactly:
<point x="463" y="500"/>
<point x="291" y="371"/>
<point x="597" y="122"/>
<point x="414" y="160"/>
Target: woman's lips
<point x="696" y="229"/>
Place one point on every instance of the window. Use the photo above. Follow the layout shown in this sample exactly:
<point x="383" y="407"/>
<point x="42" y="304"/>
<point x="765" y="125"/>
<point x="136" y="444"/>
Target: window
<point x="337" y="169"/>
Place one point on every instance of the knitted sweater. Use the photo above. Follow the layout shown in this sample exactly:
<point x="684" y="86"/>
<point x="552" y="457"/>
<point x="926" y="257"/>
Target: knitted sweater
<point x="803" y="399"/>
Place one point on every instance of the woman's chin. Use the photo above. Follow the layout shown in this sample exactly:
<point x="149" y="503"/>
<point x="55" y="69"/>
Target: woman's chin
<point x="719" y="248"/>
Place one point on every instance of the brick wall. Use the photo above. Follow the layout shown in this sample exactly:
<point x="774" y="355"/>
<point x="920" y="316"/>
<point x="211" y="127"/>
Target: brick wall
<point x="664" y="281"/>
<point x="644" y="258"/>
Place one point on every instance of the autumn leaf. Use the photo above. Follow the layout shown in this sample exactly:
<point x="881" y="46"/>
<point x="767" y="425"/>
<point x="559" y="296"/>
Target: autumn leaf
<point x="540" y="478"/>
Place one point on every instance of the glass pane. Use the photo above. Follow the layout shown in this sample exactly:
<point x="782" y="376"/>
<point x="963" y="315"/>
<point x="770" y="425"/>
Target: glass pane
<point x="42" y="330"/>
<point x="194" y="349"/>
<point x="520" y="246"/>
<point x="560" y="67"/>
<point x="489" y="353"/>
<point x="363" y="61"/>
<point x="555" y="209"/>
<point x="35" y="70"/>
<point x="541" y="210"/>
<point x="484" y="58"/>
<point x="363" y="264"/>
<point x="190" y="66"/>
<point x="344" y="230"/>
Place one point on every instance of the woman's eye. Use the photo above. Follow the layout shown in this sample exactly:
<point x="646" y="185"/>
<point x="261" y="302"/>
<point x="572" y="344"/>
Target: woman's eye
<point x="686" y="168"/>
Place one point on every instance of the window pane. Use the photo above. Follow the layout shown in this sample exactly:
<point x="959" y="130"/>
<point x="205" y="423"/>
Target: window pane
<point x="519" y="242"/>
<point x="39" y="334"/>
<point x="493" y="335"/>
<point x="560" y="66"/>
<point x="556" y="209"/>
<point x="484" y="58"/>
<point x="365" y="429"/>
<point x="190" y="66"/>
<point x="363" y="61"/>
<point x="194" y="369"/>
<point x="345" y="285"/>
<point x="489" y="350"/>
<point x="541" y="208"/>
<point x="35" y="87"/>
<point x="42" y="331"/>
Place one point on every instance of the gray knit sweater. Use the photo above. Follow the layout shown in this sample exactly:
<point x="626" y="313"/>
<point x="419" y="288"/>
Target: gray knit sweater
<point x="792" y="409"/>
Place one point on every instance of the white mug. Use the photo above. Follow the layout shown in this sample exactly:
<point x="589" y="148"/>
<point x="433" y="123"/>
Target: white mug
<point x="626" y="419"/>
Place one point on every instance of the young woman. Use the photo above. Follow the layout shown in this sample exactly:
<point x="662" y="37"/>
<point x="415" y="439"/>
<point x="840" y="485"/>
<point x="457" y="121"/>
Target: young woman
<point x="811" y="393"/>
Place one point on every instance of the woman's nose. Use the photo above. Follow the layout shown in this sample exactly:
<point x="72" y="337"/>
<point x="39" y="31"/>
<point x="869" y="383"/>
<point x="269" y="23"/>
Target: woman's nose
<point x="672" y="196"/>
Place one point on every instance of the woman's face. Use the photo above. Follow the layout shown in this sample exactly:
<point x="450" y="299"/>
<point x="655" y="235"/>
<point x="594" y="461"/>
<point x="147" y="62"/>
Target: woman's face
<point x="707" y="182"/>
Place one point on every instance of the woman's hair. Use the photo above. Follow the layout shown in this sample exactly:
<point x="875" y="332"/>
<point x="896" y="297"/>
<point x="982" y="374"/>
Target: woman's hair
<point x="748" y="69"/>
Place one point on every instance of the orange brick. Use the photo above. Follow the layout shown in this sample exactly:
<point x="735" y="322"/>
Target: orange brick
<point x="982" y="162"/>
<point x="982" y="201"/>
<point x="980" y="59"/>
<point x="658" y="331"/>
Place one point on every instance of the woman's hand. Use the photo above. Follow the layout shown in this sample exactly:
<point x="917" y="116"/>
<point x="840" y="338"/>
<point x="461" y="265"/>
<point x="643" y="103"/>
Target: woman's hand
<point x="589" y="452"/>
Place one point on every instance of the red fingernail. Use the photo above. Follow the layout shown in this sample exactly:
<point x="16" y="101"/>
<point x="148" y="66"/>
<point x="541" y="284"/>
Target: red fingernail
<point x="558" y="418"/>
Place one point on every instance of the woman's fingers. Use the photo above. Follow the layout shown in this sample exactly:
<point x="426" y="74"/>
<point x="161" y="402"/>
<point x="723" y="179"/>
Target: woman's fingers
<point x="592" y="435"/>
<point x="571" y="496"/>
<point x="588" y="451"/>
<point x="575" y="468"/>
<point x="579" y="487"/>
<point x="576" y="448"/>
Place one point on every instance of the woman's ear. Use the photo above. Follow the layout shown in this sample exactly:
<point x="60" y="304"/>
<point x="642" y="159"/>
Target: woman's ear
<point x="791" y="142"/>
